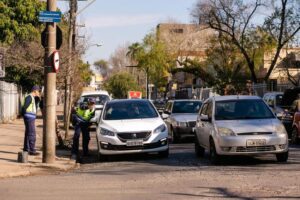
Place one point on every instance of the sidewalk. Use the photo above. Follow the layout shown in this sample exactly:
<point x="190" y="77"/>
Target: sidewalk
<point x="11" y="142"/>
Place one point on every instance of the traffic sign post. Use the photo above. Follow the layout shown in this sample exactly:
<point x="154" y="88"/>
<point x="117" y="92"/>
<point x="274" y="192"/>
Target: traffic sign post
<point x="50" y="16"/>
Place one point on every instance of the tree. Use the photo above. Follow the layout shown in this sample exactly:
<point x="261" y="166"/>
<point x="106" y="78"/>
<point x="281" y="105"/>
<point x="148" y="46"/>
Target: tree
<point x="120" y="83"/>
<point x="102" y="67"/>
<point x="152" y="56"/>
<point x="234" y="19"/>
<point x="283" y="25"/>
<point x="19" y="20"/>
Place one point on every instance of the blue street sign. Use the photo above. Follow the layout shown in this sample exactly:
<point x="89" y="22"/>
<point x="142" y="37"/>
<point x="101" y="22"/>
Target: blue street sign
<point x="49" y="16"/>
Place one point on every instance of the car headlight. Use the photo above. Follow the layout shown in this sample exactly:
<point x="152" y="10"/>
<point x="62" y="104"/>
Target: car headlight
<point x="181" y="124"/>
<point x="160" y="129"/>
<point x="225" y="131"/>
<point x="106" y="132"/>
<point x="280" y="129"/>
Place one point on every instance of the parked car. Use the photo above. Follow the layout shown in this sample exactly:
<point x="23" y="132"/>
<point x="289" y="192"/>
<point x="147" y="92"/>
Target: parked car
<point x="274" y="100"/>
<point x="239" y="125"/>
<point x="180" y="117"/>
<point x="131" y="126"/>
<point x="291" y="119"/>
<point x="100" y="96"/>
<point x="159" y="105"/>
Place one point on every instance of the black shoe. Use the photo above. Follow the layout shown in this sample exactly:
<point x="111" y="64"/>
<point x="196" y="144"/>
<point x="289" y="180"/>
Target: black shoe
<point x="34" y="153"/>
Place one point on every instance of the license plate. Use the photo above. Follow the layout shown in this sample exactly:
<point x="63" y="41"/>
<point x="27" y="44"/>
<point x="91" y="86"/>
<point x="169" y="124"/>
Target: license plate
<point x="254" y="143"/>
<point x="133" y="143"/>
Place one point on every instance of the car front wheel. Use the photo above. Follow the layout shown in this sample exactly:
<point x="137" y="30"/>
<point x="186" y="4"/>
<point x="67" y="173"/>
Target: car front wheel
<point x="213" y="155"/>
<point x="282" y="157"/>
<point x="200" y="151"/>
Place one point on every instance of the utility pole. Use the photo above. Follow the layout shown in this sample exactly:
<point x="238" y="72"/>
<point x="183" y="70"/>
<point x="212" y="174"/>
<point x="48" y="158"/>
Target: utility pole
<point x="50" y="91"/>
<point x="71" y="49"/>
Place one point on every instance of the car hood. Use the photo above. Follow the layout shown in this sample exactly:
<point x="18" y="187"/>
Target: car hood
<point x="132" y="125"/>
<point x="245" y="126"/>
<point x="185" y="117"/>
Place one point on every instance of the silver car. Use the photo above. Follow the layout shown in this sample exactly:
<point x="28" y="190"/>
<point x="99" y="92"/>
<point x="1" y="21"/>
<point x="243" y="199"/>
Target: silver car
<point x="239" y="125"/>
<point x="180" y="117"/>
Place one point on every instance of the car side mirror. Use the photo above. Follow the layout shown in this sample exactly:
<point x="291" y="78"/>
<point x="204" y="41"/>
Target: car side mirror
<point x="164" y="116"/>
<point x="271" y="105"/>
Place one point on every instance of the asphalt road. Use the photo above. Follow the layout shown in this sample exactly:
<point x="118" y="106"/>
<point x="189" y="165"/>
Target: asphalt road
<point x="181" y="176"/>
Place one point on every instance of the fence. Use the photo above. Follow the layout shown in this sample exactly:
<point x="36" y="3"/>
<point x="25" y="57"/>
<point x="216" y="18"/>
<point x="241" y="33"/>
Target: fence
<point x="261" y="88"/>
<point x="9" y="101"/>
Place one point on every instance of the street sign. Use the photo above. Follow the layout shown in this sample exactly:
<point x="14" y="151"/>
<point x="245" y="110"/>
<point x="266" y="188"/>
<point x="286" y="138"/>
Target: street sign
<point x="2" y="71"/>
<point x="55" y="57"/>
<point x="49" y="16"/>
<point x="134" y="95"/>
<point x="59" y="38"/>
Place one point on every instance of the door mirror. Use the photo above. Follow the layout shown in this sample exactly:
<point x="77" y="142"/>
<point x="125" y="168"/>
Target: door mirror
<point x="205" y="118"/>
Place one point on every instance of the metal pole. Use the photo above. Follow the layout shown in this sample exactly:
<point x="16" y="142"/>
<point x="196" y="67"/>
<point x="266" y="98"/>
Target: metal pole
<point x="147" y="83"/>
<point x="50" y="92"/>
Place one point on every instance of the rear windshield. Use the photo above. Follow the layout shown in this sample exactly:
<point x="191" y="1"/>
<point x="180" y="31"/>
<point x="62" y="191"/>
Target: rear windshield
<point x="129" y="110"/>
<point x="242" y="109"/>
<point x="100" y="99"/>
<point x="186" y="106"/>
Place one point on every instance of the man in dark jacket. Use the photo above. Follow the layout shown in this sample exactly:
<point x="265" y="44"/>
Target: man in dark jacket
<point x="29" y="110"/>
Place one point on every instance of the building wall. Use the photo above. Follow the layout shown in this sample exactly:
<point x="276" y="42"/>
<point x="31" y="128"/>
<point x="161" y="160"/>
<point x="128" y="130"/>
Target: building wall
<point x="185" y="41"/>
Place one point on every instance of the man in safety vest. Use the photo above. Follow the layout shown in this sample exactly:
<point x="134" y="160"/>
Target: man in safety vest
<point x="81" y="122"/>
<point x="29" y="114"/>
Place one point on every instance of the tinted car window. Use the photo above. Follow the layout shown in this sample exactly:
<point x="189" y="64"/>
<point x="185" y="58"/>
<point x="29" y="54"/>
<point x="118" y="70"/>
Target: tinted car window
<point x="100" y="99"/>
<point x="129" y="110"/>
<point x="186" y="106"/>
<point x="242" y="109"/>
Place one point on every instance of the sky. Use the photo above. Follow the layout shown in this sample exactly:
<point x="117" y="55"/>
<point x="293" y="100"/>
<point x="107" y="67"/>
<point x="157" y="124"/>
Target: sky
<point x="114" y="23"/>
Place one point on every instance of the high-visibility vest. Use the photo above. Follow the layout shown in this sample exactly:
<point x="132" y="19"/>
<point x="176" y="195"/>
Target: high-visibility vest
<point x="32" y="107"/>
<point x="85" y="114"/>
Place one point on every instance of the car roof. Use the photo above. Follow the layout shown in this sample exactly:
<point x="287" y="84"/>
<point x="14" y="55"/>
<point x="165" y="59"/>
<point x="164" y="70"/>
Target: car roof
<point x="273" y="93"/>
<point x="97" y="92"/>
<point x="233" y="97"/>
<point x="179" y="100"/>
<point x="128" y="100"/>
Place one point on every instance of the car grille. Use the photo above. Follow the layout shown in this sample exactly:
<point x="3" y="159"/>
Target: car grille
<point x="255" y="133"/>
<point x="192" y="123"/>
<point x="134" y="136"/>
<point x="126" y="148"/>
<point x="255" y="149"/>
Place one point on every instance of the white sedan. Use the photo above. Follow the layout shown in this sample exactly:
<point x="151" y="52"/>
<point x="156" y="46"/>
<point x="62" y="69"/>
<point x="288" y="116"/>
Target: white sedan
<point x="131" y="126"/>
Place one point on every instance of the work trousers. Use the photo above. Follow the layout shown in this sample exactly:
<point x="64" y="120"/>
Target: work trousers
<point x="30" y="135"/>
<point x="84" y="128"/>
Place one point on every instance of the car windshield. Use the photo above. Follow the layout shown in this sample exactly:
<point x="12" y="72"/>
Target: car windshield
<point x="100" y="99"/>
<point x="129" y="110"/>
<point x="186" y="106"/>
<point x="242" y="109"/>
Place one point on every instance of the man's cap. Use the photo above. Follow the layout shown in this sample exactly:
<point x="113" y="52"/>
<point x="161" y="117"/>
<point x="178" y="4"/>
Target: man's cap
<point x="36" y="87"/>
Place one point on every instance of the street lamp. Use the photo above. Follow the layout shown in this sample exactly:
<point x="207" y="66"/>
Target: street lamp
<point x="97" y="45"/>
<point x="147" y="78"/>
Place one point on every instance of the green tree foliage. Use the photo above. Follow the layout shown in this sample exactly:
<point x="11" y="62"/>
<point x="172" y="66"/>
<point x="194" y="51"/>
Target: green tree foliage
<point x="120" y="83"/>
<point x="102" y="66"/>
<point x="19" y="20"/>
<point x="151" y="55"/>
